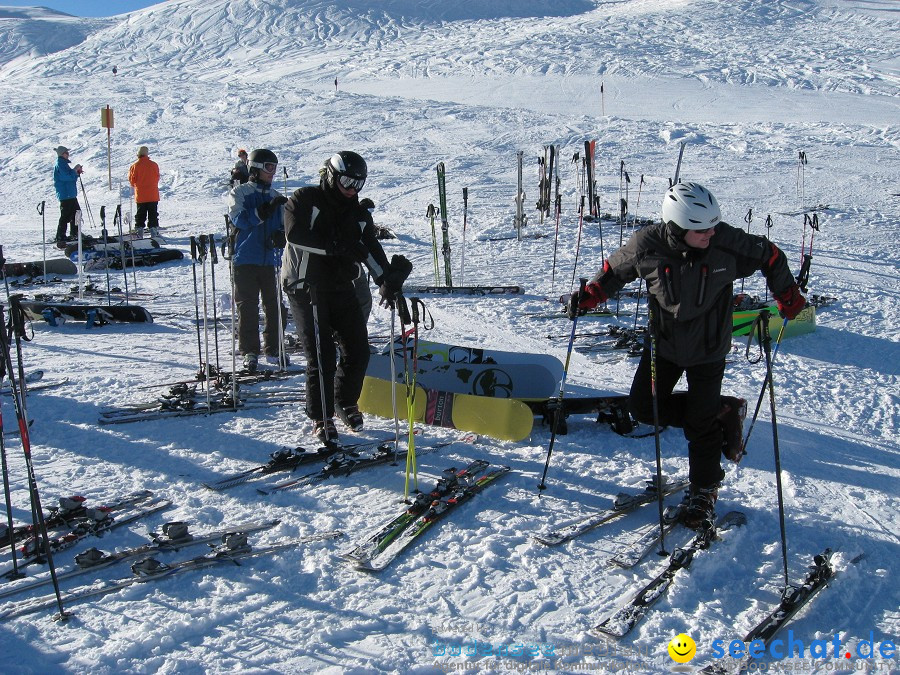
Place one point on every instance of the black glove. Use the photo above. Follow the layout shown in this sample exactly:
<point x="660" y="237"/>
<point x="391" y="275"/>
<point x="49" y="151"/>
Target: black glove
<point x="367" y="204"/>
<point x="263" y="211"/>
<point x="581" y="301"/>
<point x="278" y="239"/>
<point x="390" y="284"/>
<point x="356" y="251"/>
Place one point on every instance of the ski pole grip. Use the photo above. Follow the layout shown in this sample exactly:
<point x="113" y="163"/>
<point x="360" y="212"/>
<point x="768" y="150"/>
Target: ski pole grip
<point x="40" y="208"/>
<point x="193" y="248"/>
<point x="212" y="250"/>
<point x="403" y="310"/>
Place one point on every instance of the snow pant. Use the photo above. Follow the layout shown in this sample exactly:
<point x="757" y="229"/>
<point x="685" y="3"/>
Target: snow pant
<point x="252" y="282"/>
<point x="147" y="212"/>
<point x="694" y="411"/>
<point x="68" y="210"/>
<point x="363" y="294"/>
<point x="342" y="327"/>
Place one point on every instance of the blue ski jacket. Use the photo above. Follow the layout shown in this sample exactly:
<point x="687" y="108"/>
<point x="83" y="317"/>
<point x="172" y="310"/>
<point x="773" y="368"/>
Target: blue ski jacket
<point x="253" y="244"/>
<point x="65" y="180"/>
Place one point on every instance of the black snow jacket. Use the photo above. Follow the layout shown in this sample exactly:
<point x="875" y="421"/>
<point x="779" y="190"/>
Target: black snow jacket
<point x="328" y="237"/>
<point x="690" y="290"/>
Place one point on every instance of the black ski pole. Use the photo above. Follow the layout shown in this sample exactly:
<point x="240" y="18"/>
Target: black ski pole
<point x="202" y="251"/>
<point x="228" y="254"/>
<point x="105" y="236"/>
<point x="320" y="368"/>
<point x="213" y="261"/>
<point x="762" y="391"/>
<point x="41" y="530"/>
<point x="747" y="219"/>
<point x="654" y="394"/>
<point x="766" y="340"/>
<point x="560" y="412"/>
<point x="578" y="241"/>
<point x="117" y="219"/>
<point x="40" y="210"/>
<point x="203" y="375"/>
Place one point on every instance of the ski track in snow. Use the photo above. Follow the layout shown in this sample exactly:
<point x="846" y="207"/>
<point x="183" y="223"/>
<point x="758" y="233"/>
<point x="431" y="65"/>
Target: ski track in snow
<point x="746" y="84"/>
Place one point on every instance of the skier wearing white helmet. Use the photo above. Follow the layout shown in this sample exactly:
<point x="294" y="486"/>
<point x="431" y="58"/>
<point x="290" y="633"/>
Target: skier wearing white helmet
<point x="690" y="261"/>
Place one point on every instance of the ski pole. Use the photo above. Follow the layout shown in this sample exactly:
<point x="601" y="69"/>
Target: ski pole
<point x="37" y="509"/>
<point x="765" y="383"/>
<point x="747" y="219"/>
<point x="578" y="242"/>
<point x="203" y="374"/>
<point x="213" y="261"/>
<point x="105" y="237"/>
<point x="202" y="250"/>
<point x="766" y="340"/>
<point x="555" y="243"/>
<point x="40" y="210"/>
<point x="462" y="264"/>
<point x="228" y="245"/>
<point x="314" y="300"/>
<point x="560" y="410"/>
<point x="654" y="394"/>
<point x="411" y="366"/>
<point x="123" y="257"/>
<point x="437" y="274"/>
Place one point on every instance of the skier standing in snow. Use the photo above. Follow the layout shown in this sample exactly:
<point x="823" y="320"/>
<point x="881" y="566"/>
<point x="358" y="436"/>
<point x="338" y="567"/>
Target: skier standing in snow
<point x="65" y="181"/>
<point x="689" y="262"/>
<point x="330" y="237"/>
<point x="256" y="211"/>
<point x="144" y="178"/>
<point x="240" y="174"/>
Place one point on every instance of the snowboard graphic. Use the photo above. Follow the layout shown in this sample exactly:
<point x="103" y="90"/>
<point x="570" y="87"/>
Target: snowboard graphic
<point x="97" y="314"/>
<point x="522" y="381"/>
<point x="501" y="418"/>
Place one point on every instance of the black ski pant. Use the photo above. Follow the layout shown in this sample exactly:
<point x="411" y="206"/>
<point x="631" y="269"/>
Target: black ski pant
<point x="68" y="209"/>
<point x="341" y="327"/>
<point x="695" y="411"/>
<point x="252" y="282"/>
<point x="147" y="212"/>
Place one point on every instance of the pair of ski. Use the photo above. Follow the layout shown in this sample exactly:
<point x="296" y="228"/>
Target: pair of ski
<point x="347" y="460"/>
<point x="173" y="537"/>
<point x="72" y="511"/>
<point x="288" y="460"/>
<point x="380" y="548"/>
<point x="233" y="550"/>
<point x="192" y="407"/>
<point x="32" y="549"/>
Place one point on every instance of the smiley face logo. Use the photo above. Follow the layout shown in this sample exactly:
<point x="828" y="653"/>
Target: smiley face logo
<point x="682" y="648"/>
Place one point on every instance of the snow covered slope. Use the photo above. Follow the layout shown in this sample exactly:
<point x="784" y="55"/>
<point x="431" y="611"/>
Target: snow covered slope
<point x="748" y="85"/>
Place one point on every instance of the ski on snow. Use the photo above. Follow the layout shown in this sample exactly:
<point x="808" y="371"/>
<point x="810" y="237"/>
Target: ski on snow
<point x="287" y="459"/>
<point x="624" y="503"/>
<point x="630" y="554"/>
<point x="71" y="511"/>
<point x="345" y="462"/>
<point x="623" y="620"/>
<point x="793" y="599"/>
<point x="174" y="537"/>
<point x="216" y="405"/>
<point x="33" y="548"/>
<point x="234" y="549"/>
<point x="439" y="508"/>
<point x="377" y="541"/>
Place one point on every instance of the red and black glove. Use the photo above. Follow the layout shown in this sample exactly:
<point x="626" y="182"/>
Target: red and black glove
<point x="790" y="302"/>
<point x="581" y="301"/>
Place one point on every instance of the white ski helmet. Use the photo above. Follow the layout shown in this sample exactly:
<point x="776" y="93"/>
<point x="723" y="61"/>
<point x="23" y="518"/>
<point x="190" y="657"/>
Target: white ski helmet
<point x="690" y="206"/>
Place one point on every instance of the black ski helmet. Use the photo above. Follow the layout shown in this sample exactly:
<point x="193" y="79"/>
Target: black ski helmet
<point x="348" y="168"/>
<point x="259" y="158"/>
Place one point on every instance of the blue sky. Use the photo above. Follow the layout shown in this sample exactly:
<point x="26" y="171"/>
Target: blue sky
<point x="85" y="7"/>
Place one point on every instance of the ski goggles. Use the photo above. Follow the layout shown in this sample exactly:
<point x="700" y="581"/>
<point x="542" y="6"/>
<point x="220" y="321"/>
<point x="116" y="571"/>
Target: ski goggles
<point x="268" y="167"/>
<point x="351" y="183"/>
